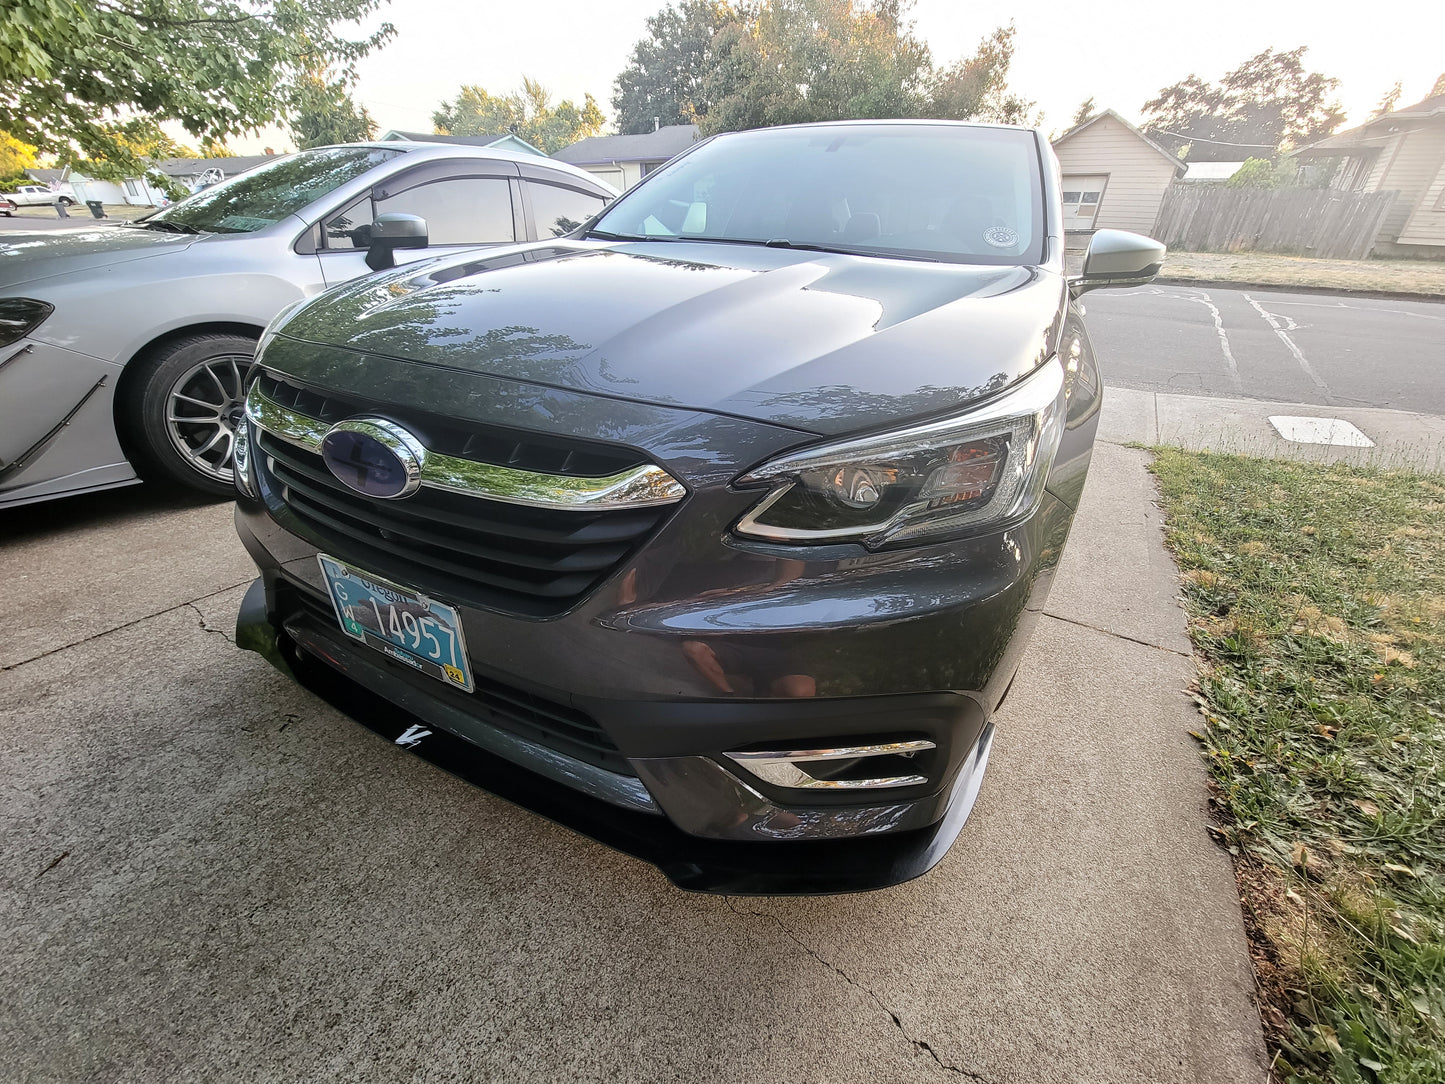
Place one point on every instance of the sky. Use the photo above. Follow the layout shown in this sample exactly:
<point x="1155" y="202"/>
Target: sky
<point x="1120" y="53"/>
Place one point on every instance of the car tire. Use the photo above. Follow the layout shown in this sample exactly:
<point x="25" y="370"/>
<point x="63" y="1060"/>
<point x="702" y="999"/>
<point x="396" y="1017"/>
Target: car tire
<point x="178" y="409"/>
<point x="67" y="201"/>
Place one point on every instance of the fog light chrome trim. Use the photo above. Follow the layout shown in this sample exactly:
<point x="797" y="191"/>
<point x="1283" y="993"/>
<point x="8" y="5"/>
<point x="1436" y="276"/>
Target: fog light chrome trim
<point x="782" y="768"/>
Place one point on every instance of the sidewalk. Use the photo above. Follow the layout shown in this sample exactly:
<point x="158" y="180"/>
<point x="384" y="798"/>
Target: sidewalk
<point x="1397" y="438"/>
<point x="206" y="874"/>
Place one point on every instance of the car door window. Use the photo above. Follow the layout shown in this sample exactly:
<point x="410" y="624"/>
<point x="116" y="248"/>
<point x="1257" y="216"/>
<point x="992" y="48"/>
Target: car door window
<point x="350" y="228"/>
<point x="557" y="210"/>
<point x="459" y="211"/>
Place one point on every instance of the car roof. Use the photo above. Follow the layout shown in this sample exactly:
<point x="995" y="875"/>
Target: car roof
<point x="427" y="151"/>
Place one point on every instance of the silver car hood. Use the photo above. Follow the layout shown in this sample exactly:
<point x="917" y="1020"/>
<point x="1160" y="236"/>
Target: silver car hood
<point x="25" y="257"/>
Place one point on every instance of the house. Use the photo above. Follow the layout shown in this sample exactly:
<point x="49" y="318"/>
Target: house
<point x="1114" y="175"/>
<point x="623" y="160"/>
<point x="1402" y="151"/>
<point x="191" y="173"/>
<point x="507" y="142"/>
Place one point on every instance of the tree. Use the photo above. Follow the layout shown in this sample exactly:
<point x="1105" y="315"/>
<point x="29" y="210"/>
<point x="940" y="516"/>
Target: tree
<point x="1269" y="103"/>
<point x="138" y="145"/>
<point x="324" y="113"/>
<point x="1084" y="112"/>
<point x="976" y="88"/>
<point x="73" y="74"/>
<point x="664" y="78"/>
<point x="789" y="61"/>
<point x="527" y="113"/>
<point x="1389" y="101"/>
<point x="15" y="157"/>
<point x="1264" y="173"/>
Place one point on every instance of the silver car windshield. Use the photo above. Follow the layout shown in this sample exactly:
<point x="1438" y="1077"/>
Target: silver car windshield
<point x="263" y="196"/>
<point x="925" y="191"/>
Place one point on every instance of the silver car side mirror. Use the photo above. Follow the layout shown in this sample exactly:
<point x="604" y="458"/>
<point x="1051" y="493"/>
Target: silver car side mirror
<point x="1118" y="258"/>
<point x="391" y="231"/>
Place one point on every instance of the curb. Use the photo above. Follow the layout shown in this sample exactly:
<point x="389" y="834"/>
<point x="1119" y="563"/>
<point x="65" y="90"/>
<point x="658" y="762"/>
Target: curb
<point x="1279" y="287"/>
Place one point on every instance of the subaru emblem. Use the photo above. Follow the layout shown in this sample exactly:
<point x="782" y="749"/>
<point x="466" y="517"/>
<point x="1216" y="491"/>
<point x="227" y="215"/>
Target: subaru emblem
<point x="374" y="457"/>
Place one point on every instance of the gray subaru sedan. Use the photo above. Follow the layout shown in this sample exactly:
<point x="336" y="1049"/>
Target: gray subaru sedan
<point x="715" y="528"/>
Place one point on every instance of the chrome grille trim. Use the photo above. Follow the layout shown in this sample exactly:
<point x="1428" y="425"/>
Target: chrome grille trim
<point x="646" y="486"/>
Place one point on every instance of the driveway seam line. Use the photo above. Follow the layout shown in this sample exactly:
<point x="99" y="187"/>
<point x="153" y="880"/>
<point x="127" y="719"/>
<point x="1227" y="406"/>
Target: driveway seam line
<point x="1118" y="635"/>
<point x="918" y="1044"/>
<point x="129" y="624"/>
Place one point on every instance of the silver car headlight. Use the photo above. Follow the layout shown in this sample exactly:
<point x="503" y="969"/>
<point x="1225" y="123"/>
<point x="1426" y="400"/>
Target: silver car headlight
<point x="969" y="472"/>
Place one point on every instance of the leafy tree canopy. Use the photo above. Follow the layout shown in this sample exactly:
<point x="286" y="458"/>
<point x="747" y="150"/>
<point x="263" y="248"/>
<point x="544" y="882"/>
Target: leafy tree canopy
<point x="1267" y="104"/>
<point x="323" y="112"/>
<point x="527" y="113"/>
<point x="1264" y="173"/>
<point x="74" y="74"/>
<point x="726" y="66"/>
<point x="663" y="80"/>
<point x="15" y="156"/>
<point x="1086" y="110"/>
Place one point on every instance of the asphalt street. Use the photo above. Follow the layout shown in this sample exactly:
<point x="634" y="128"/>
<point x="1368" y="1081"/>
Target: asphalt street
<point x="206" y="874"/>
<point x="1267" y="344"/>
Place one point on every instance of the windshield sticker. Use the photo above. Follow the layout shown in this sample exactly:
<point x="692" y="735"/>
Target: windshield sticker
<point x="1001" y="236"/>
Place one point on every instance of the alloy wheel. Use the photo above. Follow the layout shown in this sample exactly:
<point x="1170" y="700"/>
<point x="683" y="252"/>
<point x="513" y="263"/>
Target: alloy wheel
<point x="203" y="409"/>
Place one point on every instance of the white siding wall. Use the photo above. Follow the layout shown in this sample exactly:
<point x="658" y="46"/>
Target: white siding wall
<point x="1411" y="173"/>
<point x="620" y="175"/>
<point x="1427" y="225"/>
<point x="1138" y="174"/>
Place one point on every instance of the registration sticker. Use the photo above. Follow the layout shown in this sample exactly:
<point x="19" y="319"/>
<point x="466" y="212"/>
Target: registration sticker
<point x="400" y="622"/>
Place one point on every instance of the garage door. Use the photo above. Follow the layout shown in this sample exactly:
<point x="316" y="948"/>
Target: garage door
<point x="1081" y="201"/>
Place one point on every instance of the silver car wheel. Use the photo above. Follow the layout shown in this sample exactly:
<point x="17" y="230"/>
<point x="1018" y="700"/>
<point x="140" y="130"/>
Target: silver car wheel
<point x="203" y="409"/>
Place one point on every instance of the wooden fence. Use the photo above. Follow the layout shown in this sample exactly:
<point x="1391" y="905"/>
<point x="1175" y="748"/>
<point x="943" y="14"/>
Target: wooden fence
<point x="1303" y="221"/>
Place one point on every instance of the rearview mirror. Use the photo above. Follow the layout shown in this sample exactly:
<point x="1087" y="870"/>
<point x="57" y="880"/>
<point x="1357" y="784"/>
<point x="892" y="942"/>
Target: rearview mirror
<point x="390" y="232"/>
<point x="1118" y="258"/>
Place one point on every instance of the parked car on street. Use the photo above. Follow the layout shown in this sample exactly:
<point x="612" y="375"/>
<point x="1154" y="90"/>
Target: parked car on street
<point x="124" y="348"/>
<point x="34" y="195"/>
<point x="714" y="528"/>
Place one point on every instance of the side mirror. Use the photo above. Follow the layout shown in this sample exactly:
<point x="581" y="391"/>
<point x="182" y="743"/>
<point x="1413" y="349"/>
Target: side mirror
<point x="1118" y="258"/>
<point x="390" y="232"/>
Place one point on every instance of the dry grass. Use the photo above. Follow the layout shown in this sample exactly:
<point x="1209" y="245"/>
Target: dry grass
<point x="1269" y="269"/>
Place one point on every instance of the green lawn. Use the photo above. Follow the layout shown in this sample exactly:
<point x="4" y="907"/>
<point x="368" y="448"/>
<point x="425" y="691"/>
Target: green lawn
<point x="1316" y="599"/>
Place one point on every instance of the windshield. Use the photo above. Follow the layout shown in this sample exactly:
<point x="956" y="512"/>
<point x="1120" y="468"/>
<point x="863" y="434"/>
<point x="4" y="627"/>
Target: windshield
<point x="929" y="191"/>
<point x="263" y="196"/>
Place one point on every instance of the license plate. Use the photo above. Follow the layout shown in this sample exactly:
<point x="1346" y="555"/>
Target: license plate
<point x="401" y="623"/>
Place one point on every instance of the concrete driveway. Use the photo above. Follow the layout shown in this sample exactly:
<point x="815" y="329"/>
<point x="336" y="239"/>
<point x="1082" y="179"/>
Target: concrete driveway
<point x="206" y="874"/>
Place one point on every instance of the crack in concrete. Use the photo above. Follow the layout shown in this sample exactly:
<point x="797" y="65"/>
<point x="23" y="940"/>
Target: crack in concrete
<point x="52" y="865"/>
<point x="122" y="627"/>
<point x="201" y="621"/>
<point x="921" y="1045"/>
<point x="1117" y="635"/>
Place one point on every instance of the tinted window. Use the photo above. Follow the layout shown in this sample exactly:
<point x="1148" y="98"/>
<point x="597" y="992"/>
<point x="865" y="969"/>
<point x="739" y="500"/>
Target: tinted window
<point x="558" y="210"/>
<point x="952" y="192"/>
<point x="263" y="196"/>
<point x="461" y="211"/>
<point x="352" y="227"/>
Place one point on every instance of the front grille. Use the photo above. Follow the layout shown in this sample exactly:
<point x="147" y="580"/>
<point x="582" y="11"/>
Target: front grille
<point x="538" y="719"/>
<point x="537" y="561"/>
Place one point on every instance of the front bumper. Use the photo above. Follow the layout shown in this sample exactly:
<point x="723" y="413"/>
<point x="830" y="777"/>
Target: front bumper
<point x="651" y="777"/>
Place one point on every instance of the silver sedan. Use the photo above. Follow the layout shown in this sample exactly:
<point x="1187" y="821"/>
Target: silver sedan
<point x="124" y="349"/>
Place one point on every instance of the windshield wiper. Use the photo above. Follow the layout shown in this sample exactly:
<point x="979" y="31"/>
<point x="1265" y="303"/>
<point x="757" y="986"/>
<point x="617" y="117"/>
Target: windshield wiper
<point x="805" y="246"/>
<point x="168" y="226"/>
<point x="607" y="235"/>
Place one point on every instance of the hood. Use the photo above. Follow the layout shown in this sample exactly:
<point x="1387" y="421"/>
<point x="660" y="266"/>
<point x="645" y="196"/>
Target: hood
<point x="25" y="257"/>
<point x="822" y="342"/>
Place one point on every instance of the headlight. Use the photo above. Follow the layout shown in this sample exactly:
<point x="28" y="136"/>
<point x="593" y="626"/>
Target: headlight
<point x="972" y="471"/>
<point x="19" y="316"/>
<point x="241" y="458"/>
